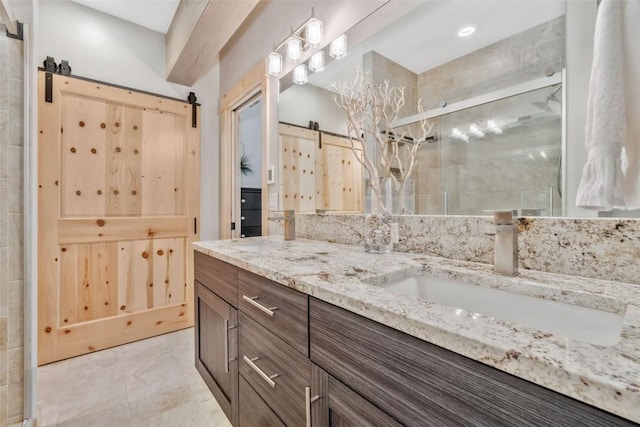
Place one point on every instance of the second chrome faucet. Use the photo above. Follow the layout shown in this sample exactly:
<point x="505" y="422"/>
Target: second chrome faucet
<point x="506" y="243"/>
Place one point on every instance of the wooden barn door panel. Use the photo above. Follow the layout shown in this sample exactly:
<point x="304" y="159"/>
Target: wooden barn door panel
<point x="298" y="168"/>
<point x="118" y="204"/>
<point x="340" y="176"/>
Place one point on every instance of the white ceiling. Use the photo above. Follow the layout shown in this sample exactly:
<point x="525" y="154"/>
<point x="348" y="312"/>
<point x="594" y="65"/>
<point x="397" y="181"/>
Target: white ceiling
<point x="153" y="14"/>
<point x="426" y="37"/>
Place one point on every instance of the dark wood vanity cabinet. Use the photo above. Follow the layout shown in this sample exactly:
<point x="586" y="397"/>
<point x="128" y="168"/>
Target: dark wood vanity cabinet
<point x="273" y="356"/>
<point x="216" y="352"/>
<point x="421" y="384"/>
<point x="252" y="345"/>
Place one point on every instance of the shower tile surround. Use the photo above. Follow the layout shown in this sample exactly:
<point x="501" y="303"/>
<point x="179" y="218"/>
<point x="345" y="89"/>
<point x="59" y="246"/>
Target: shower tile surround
<point x="11" y="217"/>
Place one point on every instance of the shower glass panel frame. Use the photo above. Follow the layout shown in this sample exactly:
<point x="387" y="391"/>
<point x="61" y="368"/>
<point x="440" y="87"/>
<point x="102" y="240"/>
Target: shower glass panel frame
<point x="504" y="150"/>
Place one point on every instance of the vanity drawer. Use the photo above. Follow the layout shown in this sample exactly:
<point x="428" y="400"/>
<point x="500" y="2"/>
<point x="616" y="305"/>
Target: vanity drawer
<point x="421" y="384"/>
<point x="253" y="410"/>
<point x="277" y="372"/>
<point x="217" y="276"/>
<point x="282" y="310"/>
<point x="251" y="199"/>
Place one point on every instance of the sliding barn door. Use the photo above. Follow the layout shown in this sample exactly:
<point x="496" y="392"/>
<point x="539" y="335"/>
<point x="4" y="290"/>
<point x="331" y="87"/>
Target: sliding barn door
<point x="118" y="205"/>
<point x="298" y="148"/>
<point x="339" y="176"/>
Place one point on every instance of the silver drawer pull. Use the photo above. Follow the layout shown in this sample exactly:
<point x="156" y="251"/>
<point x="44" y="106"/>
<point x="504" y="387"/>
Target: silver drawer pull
<point x="256" y="304"/>
<point x="226" y="346"/>
<point x="267" y="378"/>
<point x="242" y="218"/>
<point x="308" y="401"/>
<point x="242" y="200"/>
<point x="227" y="328"/>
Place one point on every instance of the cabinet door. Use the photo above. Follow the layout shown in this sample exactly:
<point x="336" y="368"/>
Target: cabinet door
<point x="217" y="349"/>
<point x="331" y="403"/>
<point x="348" y="408"/>
<point x="254" y="412"/>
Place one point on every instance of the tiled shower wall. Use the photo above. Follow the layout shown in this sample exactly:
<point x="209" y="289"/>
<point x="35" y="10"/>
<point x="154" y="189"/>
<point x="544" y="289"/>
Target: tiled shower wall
<point x="522" y="57"/>
<point x="11" y="227"/>
<point x="504" y="171"/>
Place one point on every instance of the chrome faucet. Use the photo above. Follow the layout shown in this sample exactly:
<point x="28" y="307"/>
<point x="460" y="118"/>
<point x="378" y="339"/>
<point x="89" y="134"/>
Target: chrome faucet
<point x="506" y="243"/>
<point x="289" y="219"/>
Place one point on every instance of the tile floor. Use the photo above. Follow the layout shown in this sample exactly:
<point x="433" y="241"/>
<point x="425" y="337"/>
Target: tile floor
<point x="151" y="382"/>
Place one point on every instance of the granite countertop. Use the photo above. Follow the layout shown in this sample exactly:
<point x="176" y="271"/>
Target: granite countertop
<point x="607" y="377"/>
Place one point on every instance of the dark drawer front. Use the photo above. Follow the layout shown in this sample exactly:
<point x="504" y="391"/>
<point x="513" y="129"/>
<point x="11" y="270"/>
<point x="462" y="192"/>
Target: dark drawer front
<point x="281" y="310"/>
<point x="251" y="231"/>
<point x="218" y="276"/>
<point x="250" y="218"/>
<point x="253" y="411"/>
<point x="421" y="384"/>
<point x="250" y="200"/>
<point x="286" y="396"/>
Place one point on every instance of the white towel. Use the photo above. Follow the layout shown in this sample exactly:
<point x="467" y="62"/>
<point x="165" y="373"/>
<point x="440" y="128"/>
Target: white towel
<point x="613" y="110"/>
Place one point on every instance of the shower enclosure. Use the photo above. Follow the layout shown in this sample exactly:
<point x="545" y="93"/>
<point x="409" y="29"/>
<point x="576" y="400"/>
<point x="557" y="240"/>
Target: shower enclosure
<point x="499" y="151"/>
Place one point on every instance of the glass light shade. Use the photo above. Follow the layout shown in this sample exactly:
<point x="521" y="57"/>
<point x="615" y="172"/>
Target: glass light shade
<point x="274" y="64"/>
<point x="314" y="32"/>
<point x="300" y="74"/>
<point x="338" y="48"/>
<point x="316" y="62"/>
<point x="294" y="49"/>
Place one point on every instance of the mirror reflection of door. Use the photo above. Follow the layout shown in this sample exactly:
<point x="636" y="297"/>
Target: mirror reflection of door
<point x="249" y="146"/>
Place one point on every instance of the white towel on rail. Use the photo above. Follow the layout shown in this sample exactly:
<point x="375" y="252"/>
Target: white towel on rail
<point x="613" y="111"/>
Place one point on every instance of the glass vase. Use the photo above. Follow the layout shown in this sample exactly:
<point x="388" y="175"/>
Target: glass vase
<point x="377" y="233"/>
<point x="407" y="197"/>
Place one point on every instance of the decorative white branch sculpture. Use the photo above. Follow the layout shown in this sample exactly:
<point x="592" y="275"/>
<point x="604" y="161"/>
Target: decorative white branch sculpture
<point x="371" y="109"/>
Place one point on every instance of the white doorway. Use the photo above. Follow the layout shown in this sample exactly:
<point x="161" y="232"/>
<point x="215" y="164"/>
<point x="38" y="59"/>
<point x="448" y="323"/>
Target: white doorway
<point x="248" y="141"/>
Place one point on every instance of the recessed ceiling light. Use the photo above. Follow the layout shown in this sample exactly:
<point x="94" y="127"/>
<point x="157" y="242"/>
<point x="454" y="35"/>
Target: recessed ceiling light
<point x="467" y="30"/>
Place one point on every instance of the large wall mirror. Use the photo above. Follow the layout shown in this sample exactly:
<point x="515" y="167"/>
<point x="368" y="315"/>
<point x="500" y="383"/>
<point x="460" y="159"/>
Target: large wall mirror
<point x="494" y="101"/>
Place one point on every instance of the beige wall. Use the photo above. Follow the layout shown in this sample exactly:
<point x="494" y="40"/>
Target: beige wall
<point x="383" y="69"/>
<point x="11" y="230"/>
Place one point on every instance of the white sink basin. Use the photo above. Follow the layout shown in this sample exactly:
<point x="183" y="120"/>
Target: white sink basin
<point x="561" y="319"/>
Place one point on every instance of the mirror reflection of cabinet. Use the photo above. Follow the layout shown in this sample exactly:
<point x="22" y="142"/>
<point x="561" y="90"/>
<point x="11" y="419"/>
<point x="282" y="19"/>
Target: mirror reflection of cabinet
<point x="318" y="170"/>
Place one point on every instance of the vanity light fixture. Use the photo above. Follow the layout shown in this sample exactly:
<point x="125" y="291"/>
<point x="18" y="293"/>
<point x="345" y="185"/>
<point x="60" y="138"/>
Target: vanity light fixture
<point x="313" y="30"/>
<point x="274" y="64"/>
<point x="338" y="48"/>
<point x="294" y="49"/>
<point x="300" y="74"/>
<point x="316" y="62"/>
<point x="308" y="35"/>
<point x="467" y="30"/>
